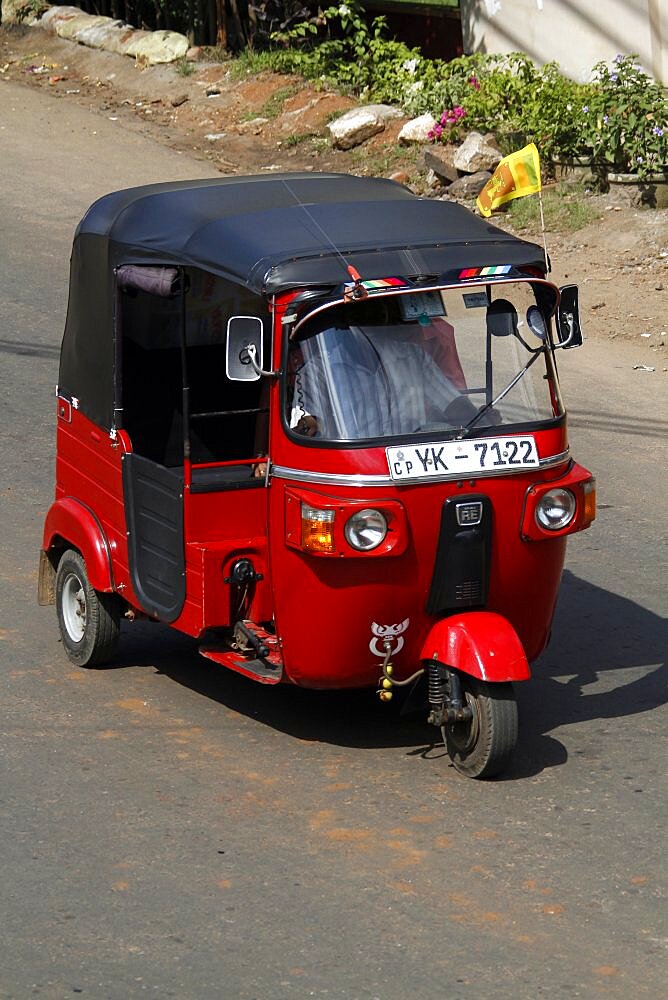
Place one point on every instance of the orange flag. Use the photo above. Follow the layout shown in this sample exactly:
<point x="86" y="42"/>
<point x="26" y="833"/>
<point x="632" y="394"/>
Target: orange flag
<point x="516" y="176"/>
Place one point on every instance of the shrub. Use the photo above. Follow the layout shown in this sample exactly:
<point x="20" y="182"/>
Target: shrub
<point x="625" y="119"/>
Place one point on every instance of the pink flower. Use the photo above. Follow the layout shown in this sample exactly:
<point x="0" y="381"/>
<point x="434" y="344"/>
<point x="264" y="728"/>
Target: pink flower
<point x="475" y="82"/>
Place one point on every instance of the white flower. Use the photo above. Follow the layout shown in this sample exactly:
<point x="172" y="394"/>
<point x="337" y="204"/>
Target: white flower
<point x="410" y="65"/>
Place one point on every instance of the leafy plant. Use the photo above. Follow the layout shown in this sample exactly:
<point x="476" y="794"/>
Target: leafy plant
<point x="625" y="118"/>
<point x="338" y="44"/>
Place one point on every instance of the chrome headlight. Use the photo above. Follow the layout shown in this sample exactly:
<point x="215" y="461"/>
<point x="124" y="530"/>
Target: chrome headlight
<point x="366" y="529"/>
<point x="555" y="509"/>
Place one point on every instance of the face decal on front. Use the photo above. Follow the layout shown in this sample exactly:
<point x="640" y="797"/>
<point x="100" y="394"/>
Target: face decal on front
<point x="388" y="633"/>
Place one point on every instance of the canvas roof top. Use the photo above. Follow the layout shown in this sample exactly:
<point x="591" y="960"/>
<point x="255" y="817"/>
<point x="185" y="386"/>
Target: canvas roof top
<point x="280" y="231"/>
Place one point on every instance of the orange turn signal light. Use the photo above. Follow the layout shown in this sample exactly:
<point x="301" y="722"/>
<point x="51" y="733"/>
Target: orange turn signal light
<point x="589" y="508"/>
<point x="317" y="529"/>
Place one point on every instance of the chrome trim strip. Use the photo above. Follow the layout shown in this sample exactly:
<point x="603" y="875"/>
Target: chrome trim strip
<point x="548" y="463"/>
<point x="340" y="479"/>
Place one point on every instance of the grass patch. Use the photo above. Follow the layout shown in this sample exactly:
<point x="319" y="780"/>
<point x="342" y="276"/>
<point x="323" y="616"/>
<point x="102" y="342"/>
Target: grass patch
<point x="184" y="68"/>
<point x="273" y="106"/>
<point x="296" y="139"/>
<point x="382" y="161"/>
<point x="250" y="63"/>
<point x="567" y="208"/>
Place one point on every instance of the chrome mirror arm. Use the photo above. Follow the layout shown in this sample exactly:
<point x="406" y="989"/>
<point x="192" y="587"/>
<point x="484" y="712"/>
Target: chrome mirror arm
<point x="252" y="357"/>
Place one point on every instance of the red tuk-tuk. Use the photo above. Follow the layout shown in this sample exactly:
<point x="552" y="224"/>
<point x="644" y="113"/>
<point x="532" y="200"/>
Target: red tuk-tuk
<point x="314" y="422"/>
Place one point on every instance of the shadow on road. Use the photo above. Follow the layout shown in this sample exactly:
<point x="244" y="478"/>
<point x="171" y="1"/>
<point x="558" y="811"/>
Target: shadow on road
<point x="598" y="636"/>
<point x="614" y="423"/>
<point x="29" y="350"/>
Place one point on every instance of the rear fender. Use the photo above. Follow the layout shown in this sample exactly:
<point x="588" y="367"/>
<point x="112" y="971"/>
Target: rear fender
<point x="479" y="643"/>
<point x="70" y="524"/>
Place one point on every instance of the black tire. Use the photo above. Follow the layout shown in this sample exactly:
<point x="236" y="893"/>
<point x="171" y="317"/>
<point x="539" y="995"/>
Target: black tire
<point x="89" y="621"/>
<point x="482" y="747"/>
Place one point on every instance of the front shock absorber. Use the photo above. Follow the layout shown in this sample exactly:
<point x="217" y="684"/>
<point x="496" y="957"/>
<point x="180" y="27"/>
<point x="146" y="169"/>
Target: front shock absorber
<point x="446" y="699"/>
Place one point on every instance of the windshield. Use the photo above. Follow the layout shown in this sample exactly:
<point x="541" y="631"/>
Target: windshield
<point x="456" y="362"/>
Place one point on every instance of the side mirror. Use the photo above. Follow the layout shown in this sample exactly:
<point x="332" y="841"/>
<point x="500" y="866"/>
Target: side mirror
<point x="569" y="330"/>
<point x="243" y="359"/>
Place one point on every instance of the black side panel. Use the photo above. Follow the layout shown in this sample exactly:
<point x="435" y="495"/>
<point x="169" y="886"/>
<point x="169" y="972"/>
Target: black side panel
<point x="87" y="354"/>
<point x="461" y="570"/>
<point x="154" y="513"/>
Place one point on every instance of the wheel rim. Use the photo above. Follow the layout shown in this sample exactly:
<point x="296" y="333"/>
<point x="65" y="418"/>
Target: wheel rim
<point x="74" y="607"/>
<point x="464" y="735"/>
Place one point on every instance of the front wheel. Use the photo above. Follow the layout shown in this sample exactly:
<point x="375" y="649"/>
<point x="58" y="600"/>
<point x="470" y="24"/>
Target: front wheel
<point x="89" y="620"/>
<point x="482" y="746"/>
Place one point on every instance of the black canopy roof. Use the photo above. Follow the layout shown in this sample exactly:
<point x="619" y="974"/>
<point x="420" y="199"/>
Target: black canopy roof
<point x="268" y="234"/>
<point x="279" y="231"/>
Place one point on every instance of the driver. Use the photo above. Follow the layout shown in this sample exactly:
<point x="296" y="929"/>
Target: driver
<point x="374" y="381"/>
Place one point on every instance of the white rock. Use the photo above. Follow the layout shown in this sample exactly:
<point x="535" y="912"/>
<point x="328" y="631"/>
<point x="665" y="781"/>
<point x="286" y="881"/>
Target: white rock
<point x="433" y="181"/>
<point x="359" y="124"/>
<point x="417" y="130"/>
<point x="477" y="153"/>
<point x="114" y="36"/>
<point x="54" y="16"/>
<point x="158" y="47"/>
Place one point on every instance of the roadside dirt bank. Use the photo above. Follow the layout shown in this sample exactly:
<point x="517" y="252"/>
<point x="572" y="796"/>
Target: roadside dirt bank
<point x="268" y="122"/>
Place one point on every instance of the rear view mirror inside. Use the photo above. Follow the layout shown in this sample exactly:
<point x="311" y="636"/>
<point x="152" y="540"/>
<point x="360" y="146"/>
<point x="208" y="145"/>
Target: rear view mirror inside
<point x="569" y="330"/>
<point x="244" y="348"/>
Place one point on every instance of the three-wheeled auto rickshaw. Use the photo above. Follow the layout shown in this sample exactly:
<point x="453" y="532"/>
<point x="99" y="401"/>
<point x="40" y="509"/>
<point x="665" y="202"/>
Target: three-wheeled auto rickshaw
<point x="314" y="422"/>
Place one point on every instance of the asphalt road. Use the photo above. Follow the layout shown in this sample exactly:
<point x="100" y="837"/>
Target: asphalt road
<point x="169" y="829"/>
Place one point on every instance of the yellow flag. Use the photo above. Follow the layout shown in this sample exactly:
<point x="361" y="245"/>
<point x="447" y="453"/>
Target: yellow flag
<point x="515" y="176"/>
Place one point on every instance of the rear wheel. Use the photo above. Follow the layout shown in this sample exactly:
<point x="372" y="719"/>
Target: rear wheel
<point x="89" y="621"/>
<point x="481" y="747"/>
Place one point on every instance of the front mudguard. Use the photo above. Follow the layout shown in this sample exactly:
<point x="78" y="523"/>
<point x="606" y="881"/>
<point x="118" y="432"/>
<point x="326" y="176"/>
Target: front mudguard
<point x="479" y="643"/>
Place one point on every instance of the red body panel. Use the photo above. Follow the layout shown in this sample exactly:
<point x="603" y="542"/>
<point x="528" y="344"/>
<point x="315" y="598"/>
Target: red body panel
<point x="326" y="612"/>
<point x="479" y="643"/>
<point x="69" y="521"/>
<point x="88" y="471"/>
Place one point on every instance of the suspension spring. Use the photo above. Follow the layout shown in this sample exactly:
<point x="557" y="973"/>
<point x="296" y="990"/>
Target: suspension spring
<point x="437" y="684"/>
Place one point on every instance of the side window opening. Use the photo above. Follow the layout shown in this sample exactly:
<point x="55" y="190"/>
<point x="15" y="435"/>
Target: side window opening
<point x="227" y="420"/>
<point x="151" y="375"/>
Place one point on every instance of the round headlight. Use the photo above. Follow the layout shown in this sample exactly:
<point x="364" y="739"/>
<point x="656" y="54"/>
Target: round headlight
<point x="555" y="509"/>
<point x="366" y="529"/>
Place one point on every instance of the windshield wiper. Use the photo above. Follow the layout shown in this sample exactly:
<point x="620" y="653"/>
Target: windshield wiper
<point x="504" y="392"/>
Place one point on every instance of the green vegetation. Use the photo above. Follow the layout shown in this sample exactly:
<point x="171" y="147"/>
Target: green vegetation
<point x="296" y="139"/>
<point x="618" y="120"/>
<point x="624" y="119"/>
<point x="184" y="68"/>
<point x="383" y="161"/>
<point x="273" y="106"/>
<point x="566" y="208"/>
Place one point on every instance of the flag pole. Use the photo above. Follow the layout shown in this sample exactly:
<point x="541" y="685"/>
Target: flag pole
<point x="542" y="229"/>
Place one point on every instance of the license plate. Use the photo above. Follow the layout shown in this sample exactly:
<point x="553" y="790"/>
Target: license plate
<point x="455" y="459"/>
